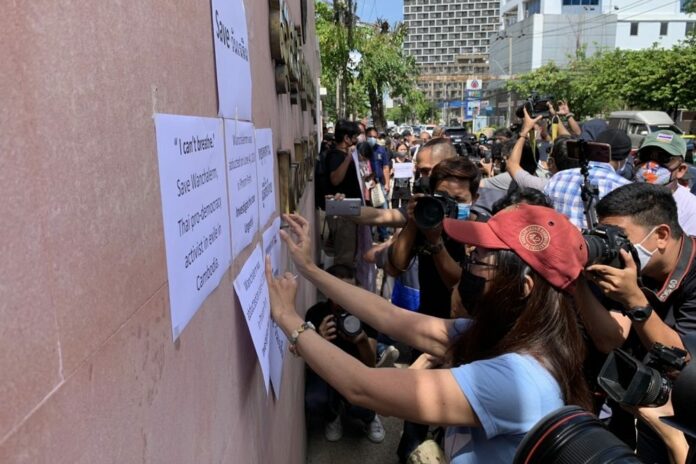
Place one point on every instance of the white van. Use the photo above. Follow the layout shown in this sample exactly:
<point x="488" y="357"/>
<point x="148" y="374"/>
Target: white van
<point x="638" y="124"/>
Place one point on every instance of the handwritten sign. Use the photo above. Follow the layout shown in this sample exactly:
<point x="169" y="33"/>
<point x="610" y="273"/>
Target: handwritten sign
<point x="194" y="210"/>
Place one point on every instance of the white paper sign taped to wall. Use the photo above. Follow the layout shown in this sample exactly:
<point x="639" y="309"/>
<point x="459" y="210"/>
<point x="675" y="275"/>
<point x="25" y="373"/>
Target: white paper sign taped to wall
<point x="232" y="64"/>
<point x="191" y="158"/>
<point x="266" y="170"/>
<point x="272" y="247"/>
<point x="242" y="182"/>
<point x="252" y="291"/>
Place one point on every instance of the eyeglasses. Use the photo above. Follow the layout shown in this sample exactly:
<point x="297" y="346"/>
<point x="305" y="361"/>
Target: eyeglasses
<point x="471" y="260"/>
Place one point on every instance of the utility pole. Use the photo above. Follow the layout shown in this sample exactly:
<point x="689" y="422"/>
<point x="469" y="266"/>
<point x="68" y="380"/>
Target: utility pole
<point x="509" y="102"/>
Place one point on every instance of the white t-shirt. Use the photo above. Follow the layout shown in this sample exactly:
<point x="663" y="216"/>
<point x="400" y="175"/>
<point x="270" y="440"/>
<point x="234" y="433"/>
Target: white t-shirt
<point x="686" y="209"/>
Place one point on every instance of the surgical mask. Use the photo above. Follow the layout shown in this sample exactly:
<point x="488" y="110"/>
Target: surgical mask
<point x="643" y="254"/>
<point x="372" y="141"/>
<point x="463" y="211"/>
<point x="401" y="154"/>
<point x="652" y="173"/>
<point x="471" y="288"/>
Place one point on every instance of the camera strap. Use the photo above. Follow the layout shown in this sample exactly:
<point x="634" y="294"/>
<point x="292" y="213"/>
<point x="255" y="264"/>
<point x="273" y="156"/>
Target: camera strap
<point x="675" y="279"/>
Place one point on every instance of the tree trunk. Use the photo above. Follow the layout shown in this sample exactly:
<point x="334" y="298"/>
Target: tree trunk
<point x="377" y="107"/>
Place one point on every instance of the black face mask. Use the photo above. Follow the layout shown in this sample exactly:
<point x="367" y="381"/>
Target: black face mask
<point x="471" y="288"/>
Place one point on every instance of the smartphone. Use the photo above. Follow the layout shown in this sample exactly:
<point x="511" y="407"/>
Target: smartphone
<point x="345" y="207"/>
<point x="594" y="151"/>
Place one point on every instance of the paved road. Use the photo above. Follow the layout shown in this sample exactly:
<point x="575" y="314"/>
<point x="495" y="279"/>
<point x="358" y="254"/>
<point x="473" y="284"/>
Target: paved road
<point x="354" y="447"/>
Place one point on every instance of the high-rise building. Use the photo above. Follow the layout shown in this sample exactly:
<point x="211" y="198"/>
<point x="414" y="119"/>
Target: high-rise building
<point x="449" y="40"/>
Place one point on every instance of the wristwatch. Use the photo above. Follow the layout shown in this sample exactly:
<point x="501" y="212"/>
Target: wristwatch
<point x="296" y="333"/>
<point x="433" y="248"/>
<point x="639" y="313"/>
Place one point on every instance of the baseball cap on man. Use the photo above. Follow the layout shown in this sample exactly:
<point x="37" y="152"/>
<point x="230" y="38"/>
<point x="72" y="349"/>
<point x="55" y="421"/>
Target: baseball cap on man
<point x="543" y="238"/>
<point x="667" y="140"/>
<point x="618" y="140"/>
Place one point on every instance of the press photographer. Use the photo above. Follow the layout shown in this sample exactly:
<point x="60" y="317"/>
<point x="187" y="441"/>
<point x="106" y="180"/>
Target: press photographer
<point x="349" y="334"/>
<point x="660" y="307"/>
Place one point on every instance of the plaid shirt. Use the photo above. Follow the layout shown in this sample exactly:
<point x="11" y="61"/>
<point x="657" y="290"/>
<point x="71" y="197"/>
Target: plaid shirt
<point x="565" y="186"/>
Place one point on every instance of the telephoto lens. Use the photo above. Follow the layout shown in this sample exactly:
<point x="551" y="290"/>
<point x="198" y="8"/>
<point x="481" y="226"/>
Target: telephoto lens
<point x="571" y="435"/>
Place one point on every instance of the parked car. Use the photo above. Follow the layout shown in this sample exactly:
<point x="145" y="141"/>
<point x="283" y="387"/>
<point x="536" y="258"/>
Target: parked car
<point x="638" y="124"/>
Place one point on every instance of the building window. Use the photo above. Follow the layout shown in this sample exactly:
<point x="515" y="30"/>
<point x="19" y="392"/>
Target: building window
<point x="580" y="2"/>
<point x="663" y="28"/>
<point x="634" y="28"/>
<point x="690" y="27"/>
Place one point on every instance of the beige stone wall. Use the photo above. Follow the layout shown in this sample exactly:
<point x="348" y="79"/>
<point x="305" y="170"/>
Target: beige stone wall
<point x="88" y="370"/>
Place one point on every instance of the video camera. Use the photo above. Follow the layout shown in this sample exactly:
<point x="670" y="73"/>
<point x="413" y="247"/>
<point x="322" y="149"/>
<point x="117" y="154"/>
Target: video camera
<point x="649" y="383"/>
<point x="573" y="436"/>
<point x="536" y="106"/>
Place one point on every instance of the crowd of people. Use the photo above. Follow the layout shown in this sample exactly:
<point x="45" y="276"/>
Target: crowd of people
<point x="489" y="281"/>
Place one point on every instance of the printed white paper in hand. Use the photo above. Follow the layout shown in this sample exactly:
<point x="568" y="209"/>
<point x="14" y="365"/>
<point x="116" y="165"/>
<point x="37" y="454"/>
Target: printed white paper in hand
<point x="232" y="59"/>
<point x="403" y="170"/>
<point x="271" y="247"/>
<point x="266" y="176"/>
<point x="242" y="183"/>
<point x="191" y="157"/>
<point x="252" y="291"/>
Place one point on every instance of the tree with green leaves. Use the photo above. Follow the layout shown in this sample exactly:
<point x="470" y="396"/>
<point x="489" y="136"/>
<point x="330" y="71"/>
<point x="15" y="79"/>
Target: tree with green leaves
<point x="380" y="65"/>
<point x="384" y="67"/>
<point x="649" y="79"/>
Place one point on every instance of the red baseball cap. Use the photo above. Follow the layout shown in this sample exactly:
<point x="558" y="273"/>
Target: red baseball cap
<point x="543" y="238"/>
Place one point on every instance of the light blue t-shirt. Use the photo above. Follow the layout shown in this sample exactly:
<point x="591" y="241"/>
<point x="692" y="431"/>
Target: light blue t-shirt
<point x="510" y="394"/>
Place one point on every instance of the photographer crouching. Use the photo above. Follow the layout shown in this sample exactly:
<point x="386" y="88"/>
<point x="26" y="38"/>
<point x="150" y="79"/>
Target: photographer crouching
<point x="643" y="301"/>
<point x="346" y="332"/>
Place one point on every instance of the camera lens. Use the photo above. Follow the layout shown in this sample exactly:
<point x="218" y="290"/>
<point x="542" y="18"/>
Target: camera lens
<point x="429" y="212"/>
<point x="597" y="249"/>
<point x="350" y="325"/>
<point x="571" y="435"/>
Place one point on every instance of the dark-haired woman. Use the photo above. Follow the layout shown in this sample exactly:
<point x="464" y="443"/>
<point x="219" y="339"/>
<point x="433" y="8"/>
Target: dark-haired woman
<point x="517" y="358"/>
<point x="401" y="190"/>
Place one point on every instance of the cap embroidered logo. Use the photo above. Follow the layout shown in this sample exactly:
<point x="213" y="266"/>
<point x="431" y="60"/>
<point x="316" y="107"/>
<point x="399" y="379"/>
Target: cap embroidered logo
<point x="535" y="238"/>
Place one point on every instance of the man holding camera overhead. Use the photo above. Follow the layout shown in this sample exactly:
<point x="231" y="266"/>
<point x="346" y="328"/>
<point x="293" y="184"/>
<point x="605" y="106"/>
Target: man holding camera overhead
<point x="652" y="300"/>
<point x="355" y="338"/>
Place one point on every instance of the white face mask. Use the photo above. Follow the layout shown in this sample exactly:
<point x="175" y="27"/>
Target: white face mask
<point x="643" y="254"/>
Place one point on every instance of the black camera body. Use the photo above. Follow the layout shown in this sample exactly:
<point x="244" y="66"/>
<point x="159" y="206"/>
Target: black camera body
<point x="348" y="325"/>
<point x="536" y="106"/>
<point x="431" y="210"/>
<point x="631" y="382"/>
<point x="421" y="185"/>
<point x="604" y="243"/>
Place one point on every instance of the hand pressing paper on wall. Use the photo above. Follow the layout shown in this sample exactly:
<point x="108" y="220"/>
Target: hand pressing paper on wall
<point x="252" y="291"/>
